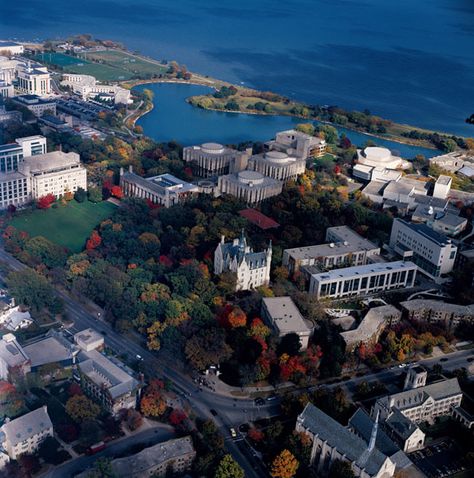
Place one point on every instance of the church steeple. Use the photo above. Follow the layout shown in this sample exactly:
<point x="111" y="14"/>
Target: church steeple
<point x="373" y="436"/>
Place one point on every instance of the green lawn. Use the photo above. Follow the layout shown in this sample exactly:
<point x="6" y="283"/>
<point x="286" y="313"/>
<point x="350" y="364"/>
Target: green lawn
<point x="71" y="64"/>
<point x="68" y="226"/>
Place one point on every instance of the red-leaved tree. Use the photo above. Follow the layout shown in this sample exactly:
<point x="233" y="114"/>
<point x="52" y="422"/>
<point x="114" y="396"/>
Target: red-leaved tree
<point x="44" y="202"/>
<point x="94" y="241"/>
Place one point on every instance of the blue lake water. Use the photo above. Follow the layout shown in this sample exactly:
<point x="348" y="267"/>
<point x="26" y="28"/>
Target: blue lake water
<point x="173" y="118"/>
<point x="408" y="60"/>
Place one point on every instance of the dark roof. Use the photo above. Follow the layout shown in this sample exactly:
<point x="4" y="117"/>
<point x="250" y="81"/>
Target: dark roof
<point x="362" y="424"/>
<point x="402" y="426"/>
<point x="339" y="437"/>
<point x="259" y="219"/>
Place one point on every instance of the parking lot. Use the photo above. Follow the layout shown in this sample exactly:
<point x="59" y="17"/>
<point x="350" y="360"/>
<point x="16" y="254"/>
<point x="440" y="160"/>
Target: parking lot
<point x="439" y="460"/>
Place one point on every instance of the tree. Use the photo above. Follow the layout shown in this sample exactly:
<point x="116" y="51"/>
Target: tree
<point x="134" y="419"/>
<point x="237" y="318"/>
<point x="80" y="195"/>
<point x="95" y="194"/>
<point x="11" y="401"/>
<point x="152" y="403"/>
<point x="48" y="449"/>
<point x="307" y="128"/>
<point x="284" y="465"/>
<point x="102" y="469"/>
<point x="80" y="408"/>
<point x="29" y="464"/>
<point x="116" y="192"/>
<point x="341" y="469"/>
<point x="32" y="289"/>
<point x="94" y="241"/>
<point x="229" y="468"/>
<point x="290" y="344"/>
<point x="207" y="347"/>
<point x="44" y="202"/>
<point x="177" y="417"/>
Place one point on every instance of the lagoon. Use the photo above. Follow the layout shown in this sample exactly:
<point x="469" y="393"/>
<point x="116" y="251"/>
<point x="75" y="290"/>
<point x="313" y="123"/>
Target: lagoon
<point x="172" y="118"/>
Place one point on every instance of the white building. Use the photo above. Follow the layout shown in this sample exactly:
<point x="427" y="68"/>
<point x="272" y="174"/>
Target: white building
<point x="363" y="280"/>
<point x="330" y="441"/>
<point x="12" y="318"/>
<point x="296" y="143"/>
<point x="165" y="189"/>
<point x="89" y="339"/>
<point x="33" y="80"/>
<point x="88" y="88"/>
<point x="431" y="251"/>
<point x="13" y="358"/>
<point x="378" y="157"/>
<point x="344" y="248"/>
<point x="251" y="187"/>
<point x="38" y="106"/>
<point x="277" y="165"/>
<point x="11" y="48"/>
<point x="26" y="433"/>
<point x="108" y="381"/>
<point x="421" y="402"/>
<point x="252" y="269"/>
<point x="284" y="317"/>
<point x="371" y="326"/>
<point x="54" y="173"/>
<point x="442" y="186"/>
<point x="6" y="90"/>
<point x="214" y="159"/>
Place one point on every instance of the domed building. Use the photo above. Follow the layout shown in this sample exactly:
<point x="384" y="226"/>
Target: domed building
<point x="378" y="157"/>
<point x="277" y="165"/>
<point x="249" y="186"/>
<point x="214" y="159"/>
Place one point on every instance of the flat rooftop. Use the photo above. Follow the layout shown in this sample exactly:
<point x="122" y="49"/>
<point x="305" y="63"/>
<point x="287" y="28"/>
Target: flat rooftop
<point x="346" y="234"/>
<point x="51" y="161"/>
<point x="428" y="233"/>
<point x="285" y="315"/>
<point x="367" y="269"/>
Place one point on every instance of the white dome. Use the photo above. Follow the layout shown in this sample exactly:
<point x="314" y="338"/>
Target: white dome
<point x="251" y="177"/>
<point x="277" y="157"/>
<point x="212" y="148"/>
<point x="376" y="156"/>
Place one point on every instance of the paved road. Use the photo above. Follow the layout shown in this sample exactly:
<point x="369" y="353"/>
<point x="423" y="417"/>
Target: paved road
<point x="232" y="412"/>
<point x="146" y="438"/>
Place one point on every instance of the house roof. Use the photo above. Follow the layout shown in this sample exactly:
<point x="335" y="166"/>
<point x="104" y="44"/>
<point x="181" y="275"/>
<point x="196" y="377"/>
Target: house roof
<point x="26" y="426"/>
<point x="285" y="315"/>
<point x="402" y="426"/>
<point x="339" y="437"/>
<point x="417" y="396"/>
<point x="50" y="349"/>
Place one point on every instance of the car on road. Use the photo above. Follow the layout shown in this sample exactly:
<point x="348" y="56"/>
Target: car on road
<point x="271" y="397"/>
<point x="233" y="433"/>
<point x="138" y="357"/>
<point x="213" y="412"/>
<point x="444" y="359"/>
<point x="402" y="365"/>
<point x="259" y="401"/>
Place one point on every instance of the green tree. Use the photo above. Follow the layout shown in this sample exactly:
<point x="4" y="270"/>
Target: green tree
<point x="31" y="289"/>
<point x="207" y="347"/>
<point x="229" y="468"/>
<point x="102" y="469"/>
<point x="80" y="408"/>
<point x="80" y="195"/>
<point x="95" y="194"/>
<point x="307" y="128"/>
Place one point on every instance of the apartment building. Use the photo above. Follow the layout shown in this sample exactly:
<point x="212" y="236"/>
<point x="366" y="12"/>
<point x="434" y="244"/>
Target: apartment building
<point x="431" y="251"/>
<point x="25" y="434"/>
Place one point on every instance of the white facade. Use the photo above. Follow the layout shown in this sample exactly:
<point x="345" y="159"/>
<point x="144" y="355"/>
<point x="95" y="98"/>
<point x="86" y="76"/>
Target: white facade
<point x="88" y="87"/>
<point x="26" y="433"/>
<point x="252" y="269"/>
<point x="380" y="158"/>
<point x="165" y="189"/>
<point x="34" y="80"/>
<point x="251" y="187"/>
<point x="296" y="143"/>
<point x="363" y="280"/>
<point x="54" y="173"/>
<point x="442" y="187"/>
<point x="38" y="106"/>
<point x="432" y="252"/>
<point x="11" y="48"/>
<point x="6" y="90"/>
<point x="277" y="165"/>
<point x="214" y="159"/>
